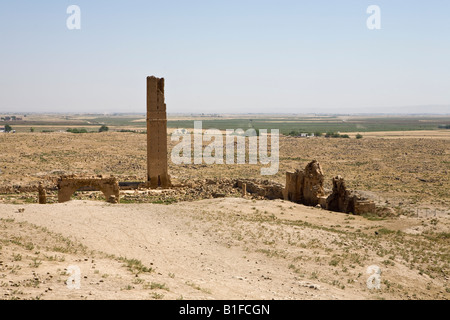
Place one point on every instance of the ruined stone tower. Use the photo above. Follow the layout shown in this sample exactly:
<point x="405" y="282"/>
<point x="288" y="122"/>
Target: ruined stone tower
<point x="157" y="172"/>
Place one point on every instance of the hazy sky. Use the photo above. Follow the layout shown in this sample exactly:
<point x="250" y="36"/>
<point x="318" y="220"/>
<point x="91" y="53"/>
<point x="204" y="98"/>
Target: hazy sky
<point x="226" y="56"/>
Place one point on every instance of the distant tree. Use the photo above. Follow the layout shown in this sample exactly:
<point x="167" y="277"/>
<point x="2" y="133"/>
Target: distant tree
<point x="75" y="130"/>
<point x="335" y="135"/>
<point x="359" y="136"/>
<point x="8" y="128"/>
<point x="31" y="129"/>
<point x="103" y="128"/>
<point x="318" y="134"/>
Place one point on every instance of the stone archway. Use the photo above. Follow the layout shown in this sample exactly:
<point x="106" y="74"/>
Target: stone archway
<point x="68" y="185"/>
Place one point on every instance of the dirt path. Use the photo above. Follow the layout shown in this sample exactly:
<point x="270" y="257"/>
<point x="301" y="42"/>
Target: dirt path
<point x="229" y="248"/>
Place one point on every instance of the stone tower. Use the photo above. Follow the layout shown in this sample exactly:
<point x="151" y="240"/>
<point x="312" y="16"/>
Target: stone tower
<point x="157" y="172"/>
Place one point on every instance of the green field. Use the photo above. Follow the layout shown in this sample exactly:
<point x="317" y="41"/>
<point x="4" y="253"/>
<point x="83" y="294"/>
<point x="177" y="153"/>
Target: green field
<point x="284" y="124"/>
<point x="323" y="125"/>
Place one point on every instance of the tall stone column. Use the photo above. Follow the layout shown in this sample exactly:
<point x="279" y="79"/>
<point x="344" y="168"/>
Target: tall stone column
<point x="157" y="168"/>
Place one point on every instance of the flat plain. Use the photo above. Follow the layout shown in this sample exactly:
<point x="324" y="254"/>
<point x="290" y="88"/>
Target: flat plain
<point x="233" y="247"/>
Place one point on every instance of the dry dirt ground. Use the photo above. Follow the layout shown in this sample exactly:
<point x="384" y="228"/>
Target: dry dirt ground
<point x="227" y="248"/>
<point x="406" y="173"/>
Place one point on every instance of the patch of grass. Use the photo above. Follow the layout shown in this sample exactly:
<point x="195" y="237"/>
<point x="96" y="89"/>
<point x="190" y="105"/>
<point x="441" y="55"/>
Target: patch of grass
<point x="35" y="263"/>
<point x="334" y="262"/>
<point x="272" y="253"/>
<point x="438" y="236"/>
<point x="338" y="284"/>
<point x="157" y="296"/>
<point x="197" y="287"/>
<point x="388" y="263"/>
<point x="155" y="285"/>
<point x="373" y="217"/>
<point x="135" y="266"/>
<point x="165" y="201"/>
<point x="17" y="257"/>
<point x="127" y="201"/>
<point x="384" y="231"/>
<point x="138" y="281"/>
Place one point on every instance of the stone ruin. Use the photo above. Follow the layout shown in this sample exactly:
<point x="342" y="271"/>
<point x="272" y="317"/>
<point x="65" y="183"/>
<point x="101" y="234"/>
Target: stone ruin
<point x="343" y="200"/>
<point x="157" y="163"/>
<point x="157" y="168"/>
<point x="263" y="189"/>
<point x="306" y="187"/>
<point x="67" y="185"/>
<point x="42" y="194"/>
<point x="302" y="186"/>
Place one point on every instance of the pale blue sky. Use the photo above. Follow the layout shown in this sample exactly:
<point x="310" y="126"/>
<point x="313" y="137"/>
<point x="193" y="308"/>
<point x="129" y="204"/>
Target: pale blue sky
<point x="226" y="56"/>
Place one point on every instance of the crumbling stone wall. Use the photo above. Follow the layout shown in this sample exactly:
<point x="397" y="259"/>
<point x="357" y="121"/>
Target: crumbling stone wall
<point x="342" y="200"/>
<point x="364" y="206"/>
<point x="305" y="186"/>
<point x="313" y="183"/>
<point x="68" y="185"/>
<point x="294" y="186"/>
<point x="266" y="189"/>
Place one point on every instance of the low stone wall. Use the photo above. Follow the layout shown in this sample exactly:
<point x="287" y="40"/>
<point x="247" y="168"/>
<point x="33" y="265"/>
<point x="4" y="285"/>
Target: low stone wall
<point x="263" y="188"/>
<point x="68" y="185"/>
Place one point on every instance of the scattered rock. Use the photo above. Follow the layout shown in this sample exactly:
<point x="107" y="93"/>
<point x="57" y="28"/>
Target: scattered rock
<point x="218" y="195"/>
<point x="309" y="285"/>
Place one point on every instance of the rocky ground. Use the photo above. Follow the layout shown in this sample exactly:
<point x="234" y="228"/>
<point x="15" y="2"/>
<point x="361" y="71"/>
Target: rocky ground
<point x="404" y="173"/>
<point x="202" y="240"/>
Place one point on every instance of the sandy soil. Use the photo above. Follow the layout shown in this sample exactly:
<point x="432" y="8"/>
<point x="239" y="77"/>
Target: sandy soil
<point x="229" y="248"/>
